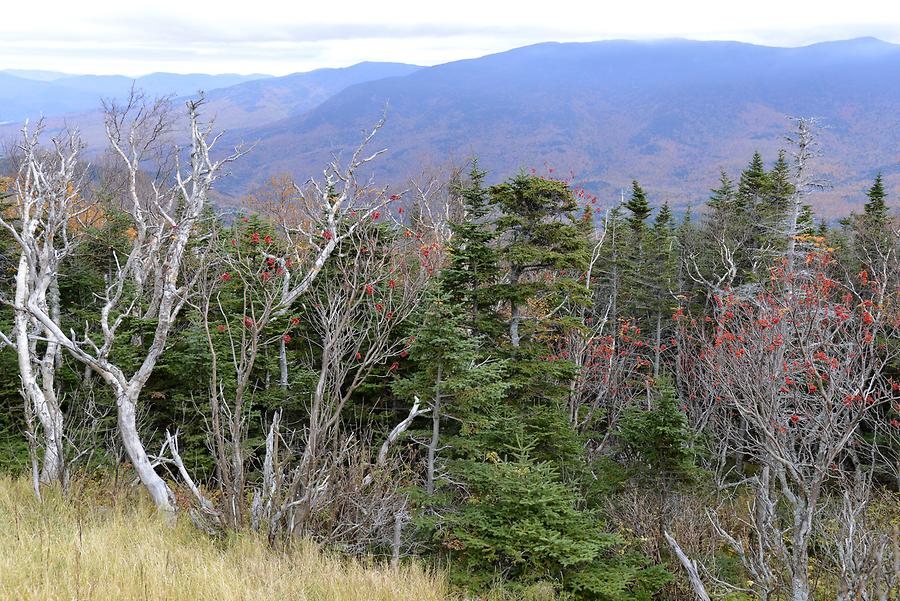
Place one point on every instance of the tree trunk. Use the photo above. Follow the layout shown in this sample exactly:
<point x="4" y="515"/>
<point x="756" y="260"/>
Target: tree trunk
<point x="514" y="318"/>
<point x="156" y="486"/>
<point x="515" y="315"/>
<point x="45" y="407"/>
<point x="800" y="587"/>
<point x="435" y="432"/>
<point x="282" y="364"/>
<point x="690" y="567"/>
<point x="658" y="352"/>
<point x="395" y="543"/>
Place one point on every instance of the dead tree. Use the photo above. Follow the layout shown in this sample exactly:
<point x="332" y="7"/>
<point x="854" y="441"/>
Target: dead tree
<point x="149" y="282"/>
<point x="370" y="288"/>
<point x="48" y="217"/>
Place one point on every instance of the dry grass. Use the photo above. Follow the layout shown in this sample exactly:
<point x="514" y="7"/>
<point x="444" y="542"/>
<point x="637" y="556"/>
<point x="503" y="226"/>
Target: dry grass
<point x="80" y="549"/>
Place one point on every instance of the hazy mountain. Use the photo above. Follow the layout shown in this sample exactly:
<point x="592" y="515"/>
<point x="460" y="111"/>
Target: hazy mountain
<point x="264" y="101"/>
<point x="669" y="113"/>
<point x="30" y="94"/>
<point x="35" y="74"/>
<point x="23" y="98"/>
<point x="249" y="103"/>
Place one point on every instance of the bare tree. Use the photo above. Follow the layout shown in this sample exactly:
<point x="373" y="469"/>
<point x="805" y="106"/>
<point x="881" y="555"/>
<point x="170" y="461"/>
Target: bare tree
<point x="804" y="149"/>
<point x="150" y="282"/>
<point x="372" y="287"/>
<point x="859" y="544"/>
<point x="48" y="218"/>
<point x="799" y="363"/>
<point x="316" y="216"/>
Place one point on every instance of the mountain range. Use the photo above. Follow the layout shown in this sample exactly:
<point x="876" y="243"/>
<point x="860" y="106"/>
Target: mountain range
<point x="670" y="113"/>
<point x="28" y="94"/>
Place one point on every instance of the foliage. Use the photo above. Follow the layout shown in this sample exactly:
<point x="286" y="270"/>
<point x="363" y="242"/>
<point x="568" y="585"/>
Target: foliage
<point x="520" y="521"/>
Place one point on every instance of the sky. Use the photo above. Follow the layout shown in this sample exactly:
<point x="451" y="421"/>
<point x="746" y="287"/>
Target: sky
<point x="280" y="37"/>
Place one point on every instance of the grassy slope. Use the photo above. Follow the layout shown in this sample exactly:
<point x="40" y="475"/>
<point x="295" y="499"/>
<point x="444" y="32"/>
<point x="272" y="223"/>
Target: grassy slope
<point x="75" y="548"/>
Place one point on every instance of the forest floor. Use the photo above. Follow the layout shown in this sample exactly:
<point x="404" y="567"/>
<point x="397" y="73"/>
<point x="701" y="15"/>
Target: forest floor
<point x="98" y="545"/>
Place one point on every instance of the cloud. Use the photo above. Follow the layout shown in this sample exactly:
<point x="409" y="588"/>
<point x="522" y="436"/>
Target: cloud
<point x="262" y="36"/>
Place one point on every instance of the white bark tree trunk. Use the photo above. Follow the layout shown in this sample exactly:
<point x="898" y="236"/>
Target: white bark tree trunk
<point x="41" y="396"/>
<point x="157" y="488"/>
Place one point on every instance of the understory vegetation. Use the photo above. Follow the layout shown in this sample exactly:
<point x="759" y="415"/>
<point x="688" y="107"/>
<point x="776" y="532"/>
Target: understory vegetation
<point x="109" y="543"/>
<point x="450" y="389"/>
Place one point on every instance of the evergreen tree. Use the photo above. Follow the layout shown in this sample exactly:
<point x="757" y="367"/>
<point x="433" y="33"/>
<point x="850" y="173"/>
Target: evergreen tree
<point x="753" y="182"/>
<point x="875" y="208"/>
<point x="780" y="188"/>
<point x="806" y="222"/>
<point x="637" y="272"/>
<point x="448" y="372"/>
<point x="724" y="197"/>
<point x="638" y="206"/>
<point x="663" y="262"/>
<point x="520" y="520"/>
<point x="661" y="452"/>
<point x="608" y="286"/>
<point x="472" y="265"/>
<point x="537" y="232"/>
<point x="661" y="441"/>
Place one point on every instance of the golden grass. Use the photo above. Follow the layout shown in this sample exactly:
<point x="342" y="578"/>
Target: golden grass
<point x="80" y="549"/>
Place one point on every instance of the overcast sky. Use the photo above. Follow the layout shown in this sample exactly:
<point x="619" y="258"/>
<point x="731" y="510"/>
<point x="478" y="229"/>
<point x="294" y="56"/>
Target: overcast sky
<point x="267" y="36"/>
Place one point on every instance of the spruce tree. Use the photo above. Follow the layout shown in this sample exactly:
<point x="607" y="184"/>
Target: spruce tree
<point x="780" y="188"/>
<point x="449" y="373"/>
<point x="662" y="457"/>
<point x="636" y="273"/>
<point x="638" y="206"/>
<point x="875" y="208"/>
<point x="472" y="265"/>
<point x="660" y="281"/>
<point x="753" y="182"/>
<point x="723" y="198"/>
<point x="537" y="232"/>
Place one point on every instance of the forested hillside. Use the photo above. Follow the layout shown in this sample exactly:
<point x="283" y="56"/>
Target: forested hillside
<point x="532" y="393"/>
<point x="671" y="113"/>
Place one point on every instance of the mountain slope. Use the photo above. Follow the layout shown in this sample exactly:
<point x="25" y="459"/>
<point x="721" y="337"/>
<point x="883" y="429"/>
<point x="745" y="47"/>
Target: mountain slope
<point x="669" y="113"/>
<point x="254" y="102"/>
<point x="264" y="101"/>
<point x="29" y="95"/>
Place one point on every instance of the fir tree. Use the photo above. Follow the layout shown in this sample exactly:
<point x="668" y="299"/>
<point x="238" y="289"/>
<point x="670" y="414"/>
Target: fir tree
<point x="780" y="188"/>
<point x="663" y="457"/>
<point x="723" y="198"/>
<point x="537" y="231"/>
<point x="753" y="182"/>
<point x="663" y="262"/>
<point x="638" y="207"/>
<point x="472" y="259"/>
<point x="449" y="374"/>
<point x="875" y="208"/>
<point x="522" y="521"/>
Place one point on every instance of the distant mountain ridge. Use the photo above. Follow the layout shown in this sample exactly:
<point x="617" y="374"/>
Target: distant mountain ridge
<point x="250" y="102"/>
<point x="31" y="94"/>
<point x="263" y="101"/>
<point x="670" y="113"/>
